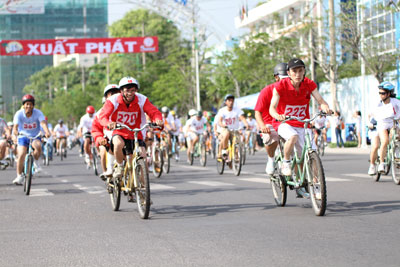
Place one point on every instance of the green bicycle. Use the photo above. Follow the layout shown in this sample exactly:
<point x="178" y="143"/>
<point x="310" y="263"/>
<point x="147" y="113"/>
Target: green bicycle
<point x="392" y="159"/>
<point x="308" y="174"/>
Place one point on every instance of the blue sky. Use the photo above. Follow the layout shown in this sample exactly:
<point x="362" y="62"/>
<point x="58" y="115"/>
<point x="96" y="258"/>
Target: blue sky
<point x="219" y="14"/>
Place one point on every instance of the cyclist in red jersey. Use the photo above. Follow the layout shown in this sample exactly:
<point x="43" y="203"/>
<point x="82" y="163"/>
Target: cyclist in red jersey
<point x="291" y="97"/>
<point x="101" y="135"/>
<point x="264" y="120"/>
<point x="129" y="108"/>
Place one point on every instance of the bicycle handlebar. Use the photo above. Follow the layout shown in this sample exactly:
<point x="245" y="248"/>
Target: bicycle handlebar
<point x="37" y="136"/>
<point x="123" y="126"/>
<point x="288" y="118"/>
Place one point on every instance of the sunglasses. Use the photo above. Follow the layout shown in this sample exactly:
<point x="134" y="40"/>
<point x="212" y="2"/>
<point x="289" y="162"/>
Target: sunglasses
<point x="383" y="93"/>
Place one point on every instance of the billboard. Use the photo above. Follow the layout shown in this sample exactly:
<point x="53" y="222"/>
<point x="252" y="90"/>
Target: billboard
<point x="46" y="47"/>
<point x="10" y="7"/>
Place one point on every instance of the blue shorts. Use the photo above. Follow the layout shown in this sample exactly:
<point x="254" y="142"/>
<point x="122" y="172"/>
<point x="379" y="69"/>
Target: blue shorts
<point x="24" y="141"/>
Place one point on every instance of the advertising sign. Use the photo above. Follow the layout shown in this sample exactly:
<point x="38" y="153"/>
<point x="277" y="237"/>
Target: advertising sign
<point x="9" y="7"/>
<point x="46" y="47"/>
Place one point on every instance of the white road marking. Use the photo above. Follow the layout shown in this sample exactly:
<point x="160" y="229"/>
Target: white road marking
<point x="40" y="192"/>
<point x="210" y="183"/>
<point x="359" y="175"/>
<point x="333" y="179"/>
<point x="160" y="187"/>
<point x="64" y="181"/>
<point x="256" y="180"/>
<point x="91" y="189"/>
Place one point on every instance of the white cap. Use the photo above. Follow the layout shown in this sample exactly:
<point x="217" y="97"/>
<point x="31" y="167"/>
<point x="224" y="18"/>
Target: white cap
<point x="192" y="112"/>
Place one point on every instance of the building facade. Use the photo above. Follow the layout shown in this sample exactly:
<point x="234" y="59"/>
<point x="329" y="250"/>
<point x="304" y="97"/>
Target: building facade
<point x="43" y="19"/>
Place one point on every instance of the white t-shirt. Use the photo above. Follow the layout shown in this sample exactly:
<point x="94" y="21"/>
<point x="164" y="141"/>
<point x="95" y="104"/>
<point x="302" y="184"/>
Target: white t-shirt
<point x="230" y="118"/>
<point x="385" y="113"/>
<point x="196" y="125"/>
<point x="178" y="125"/>
<point x="252" y="125"/>
<point x="61" y="131"/>
<point x="320" y="122"/>
<point x="86" y="123"/>
<point x="170" y="120"/>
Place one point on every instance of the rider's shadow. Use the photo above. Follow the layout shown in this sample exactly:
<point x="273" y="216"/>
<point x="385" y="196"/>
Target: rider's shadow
<point x="194" y="211"/>
<point x="342" y="208"/>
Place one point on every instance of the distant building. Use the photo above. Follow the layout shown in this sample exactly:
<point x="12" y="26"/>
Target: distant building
<point x="43" y="19"/>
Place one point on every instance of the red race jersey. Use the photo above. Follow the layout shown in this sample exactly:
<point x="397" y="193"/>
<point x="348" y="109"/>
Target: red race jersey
<point x="263" y="103"/>
<point x="132" y="115"/>
<point x="97" y="130"/>
<point x="292" y="102"/>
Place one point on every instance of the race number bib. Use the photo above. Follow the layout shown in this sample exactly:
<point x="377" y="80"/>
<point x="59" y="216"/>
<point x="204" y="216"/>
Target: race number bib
<point x="230" y="121"/>
<point x="127" y="117"/>
<point x="30" y="126"/>
<point x="296" y="111"/>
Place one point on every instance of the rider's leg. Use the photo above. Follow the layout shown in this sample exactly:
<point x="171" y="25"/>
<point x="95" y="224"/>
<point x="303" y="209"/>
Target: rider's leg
<point x="118" y="144"/>
<point x="3" y="145"/>
<point x="374" y="149"/>
<point x="194" y="142"/>
<point x="21" y="152"/>
<point x="224" y="138"/>
<point x="384" y="138"/>
<point x="103" y="152"/>
<point x="189" y="144"/>
<point x="87" y="147"/>
<point x="37" y="146"/>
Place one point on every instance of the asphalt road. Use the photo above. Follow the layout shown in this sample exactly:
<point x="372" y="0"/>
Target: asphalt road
<point x="200" y="218"/>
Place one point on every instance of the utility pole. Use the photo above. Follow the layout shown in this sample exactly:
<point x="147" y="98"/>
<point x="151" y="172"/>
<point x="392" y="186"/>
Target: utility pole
<point x="363" y="89"/>
<point x="196" y="58"/>
<point x="332" y="54"/>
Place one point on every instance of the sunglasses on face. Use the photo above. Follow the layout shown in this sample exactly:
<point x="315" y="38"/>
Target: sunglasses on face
<point x="382" y="93"/>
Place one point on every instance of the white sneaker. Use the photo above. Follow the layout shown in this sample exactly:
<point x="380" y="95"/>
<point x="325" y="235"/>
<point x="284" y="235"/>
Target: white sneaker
<point x="381" y="167"/>
<point x="285" y="169"/>
<point x="270" y="168"/>
<point x="371" y="170"/>
<point x="87" y="159"/>
<point x="150" y="167"/>
<point x="176" y="157"/>
<point x="108" y="172"/>
<point x="37" y="167"/>
<point x="19" y="180"/>
<point x="118" y="171"/>
<point x="224" y="152"/>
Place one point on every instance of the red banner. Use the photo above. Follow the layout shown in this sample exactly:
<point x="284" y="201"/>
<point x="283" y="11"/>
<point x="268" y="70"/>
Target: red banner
<point x="78" y="46"/>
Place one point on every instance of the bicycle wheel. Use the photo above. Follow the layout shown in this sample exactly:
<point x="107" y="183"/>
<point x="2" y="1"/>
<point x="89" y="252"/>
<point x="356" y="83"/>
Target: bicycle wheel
<point x="203" y="155"/>
<point x="28" y="175"/>
<point x="244" y="155"/>
<point x="114" y="189"/>
<point x="396" y="163"/>
<point x="377" y="176"/>
<point x="166" y="160"/>
<point x="142" y="190"/>
<point x="60" y="150"/>
<point x="316" y="184"/>
<point x="47" y="155"/>
<point x="237" y="159"/>
<point x="191" y="157"/>
<point x="94" y="155"/>
<point x="279" y="189"/>
<point x="11" y="157"/>
<point x="157" y="162"/>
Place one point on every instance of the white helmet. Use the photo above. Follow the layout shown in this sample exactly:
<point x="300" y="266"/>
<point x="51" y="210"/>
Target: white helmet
<point x="10" y="123"/>
<point x="109" y="88"/>
<point x="128" y="80"/>
<point x="192" y="112"/>
<point x="164" y="109"/>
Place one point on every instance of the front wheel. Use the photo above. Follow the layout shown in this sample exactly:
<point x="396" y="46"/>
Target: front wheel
<point x="316" y="184"/>
<point x="115" y="193"/>
<point x="94" y="155"/>
<point x="279" y="189"/>
<point x="203" y="155"/>
<point x="157" y="162"/>
<point x="28" y="175"/>
<point x="142" y="189"/>
<point x="166" y="160"/>
<point x="396" y="163"/>
<point x="244" y="155"/>
<point x="237" y="159"/>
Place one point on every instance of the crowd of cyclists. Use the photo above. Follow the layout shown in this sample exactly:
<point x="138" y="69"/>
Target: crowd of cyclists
<point x="289" y="95"/>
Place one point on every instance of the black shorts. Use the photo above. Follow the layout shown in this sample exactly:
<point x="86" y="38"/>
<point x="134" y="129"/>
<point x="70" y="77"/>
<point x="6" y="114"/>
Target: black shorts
<point x="88" y="135"/>
<point x="129" y="145"/>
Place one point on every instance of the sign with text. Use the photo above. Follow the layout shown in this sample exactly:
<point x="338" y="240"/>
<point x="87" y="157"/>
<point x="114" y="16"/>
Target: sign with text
<point x="46" y="47"/>
<point x="10" y="7"/>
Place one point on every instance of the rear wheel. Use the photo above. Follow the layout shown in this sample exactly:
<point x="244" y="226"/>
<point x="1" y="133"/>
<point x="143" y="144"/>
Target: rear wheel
<point x="203" y="155"/>
<point x="244" y="155"/>
<point x="166" y="160"/>
<point x="28" y="175"/>
<point x="142" y="190"/>
<point x="396" y="163"/>
<point x="317" y="184"/>
<point x="115" y="192"/>
<point x="61" y="151"/>
<point x="237" y="159"/>
<point x="157" y="162"/>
